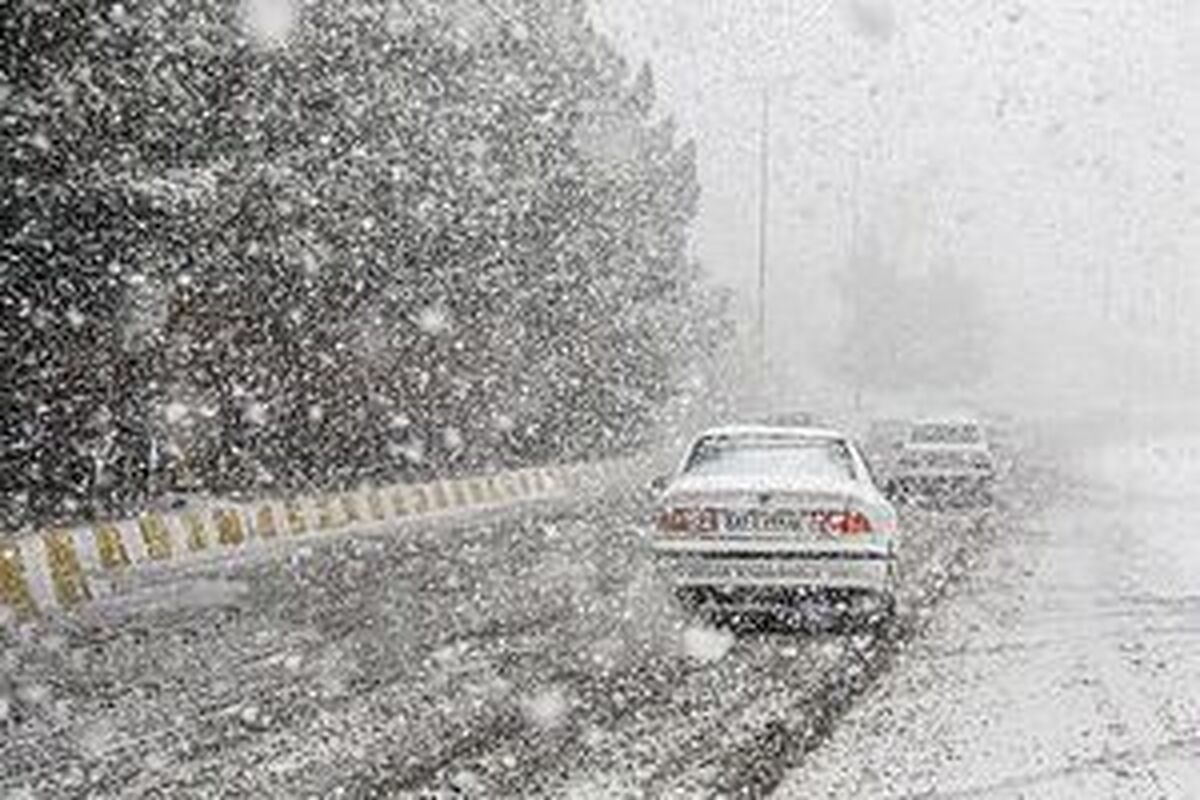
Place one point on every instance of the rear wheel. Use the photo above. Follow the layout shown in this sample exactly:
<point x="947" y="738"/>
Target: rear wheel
<point x="866" y="610"/>
<point x="883" y="608"/>
<point x="694" y="599"/>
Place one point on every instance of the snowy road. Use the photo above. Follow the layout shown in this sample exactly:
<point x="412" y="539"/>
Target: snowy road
<point x="529" y="655"/>
<point x="1069" y="667"/>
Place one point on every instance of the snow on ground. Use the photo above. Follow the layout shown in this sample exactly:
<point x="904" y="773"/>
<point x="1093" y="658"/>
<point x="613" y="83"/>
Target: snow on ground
<point x="529" y="654"/>
<point x="1163" y="469"/>
<point x="1071" y="668"/>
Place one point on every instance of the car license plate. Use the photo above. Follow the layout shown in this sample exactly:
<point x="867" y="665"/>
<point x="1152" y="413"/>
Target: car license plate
<point x="783" y="520"/>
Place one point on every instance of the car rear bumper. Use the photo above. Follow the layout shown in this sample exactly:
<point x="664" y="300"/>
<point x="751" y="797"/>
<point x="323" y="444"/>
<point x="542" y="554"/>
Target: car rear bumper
<point x="683" y="566"/>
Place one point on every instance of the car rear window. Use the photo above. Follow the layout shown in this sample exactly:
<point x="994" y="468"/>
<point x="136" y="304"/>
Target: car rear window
<point x="946" y="434"/>
<point x="770" y="457"/>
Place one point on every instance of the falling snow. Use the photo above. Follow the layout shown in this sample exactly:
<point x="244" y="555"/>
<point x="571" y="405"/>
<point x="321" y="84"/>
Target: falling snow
<point x="453" y="283"/>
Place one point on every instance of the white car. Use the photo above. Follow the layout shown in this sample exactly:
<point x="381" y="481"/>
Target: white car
<point x="945" y="458"/>
<point x="758" y="512"/>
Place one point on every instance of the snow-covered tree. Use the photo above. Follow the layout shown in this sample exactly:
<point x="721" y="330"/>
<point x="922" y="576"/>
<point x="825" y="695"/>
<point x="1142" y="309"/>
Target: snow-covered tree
<point x="359" y="240"/>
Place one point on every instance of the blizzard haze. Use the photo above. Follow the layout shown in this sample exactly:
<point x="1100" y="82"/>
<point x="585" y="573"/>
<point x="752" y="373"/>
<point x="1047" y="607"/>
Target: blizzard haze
<point x="1043" y="151"/>
<point x="599" y="398"/>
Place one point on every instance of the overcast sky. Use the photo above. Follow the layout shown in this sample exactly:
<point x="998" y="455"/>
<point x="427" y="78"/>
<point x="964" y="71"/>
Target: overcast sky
<point x="1036" y="144"/>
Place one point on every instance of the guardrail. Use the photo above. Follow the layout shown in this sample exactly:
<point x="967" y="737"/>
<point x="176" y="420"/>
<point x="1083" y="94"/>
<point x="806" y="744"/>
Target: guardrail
<point x="61" y="569"/>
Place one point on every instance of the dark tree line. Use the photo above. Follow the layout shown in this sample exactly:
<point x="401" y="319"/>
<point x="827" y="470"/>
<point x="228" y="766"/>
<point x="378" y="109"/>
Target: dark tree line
<point x="389" y="246"/>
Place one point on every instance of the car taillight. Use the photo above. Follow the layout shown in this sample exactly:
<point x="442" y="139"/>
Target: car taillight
<point x="842" y="523"/>
<point x="851" y="523"/>
<point x="686" y="520"/>
<point x="673" y="520"/>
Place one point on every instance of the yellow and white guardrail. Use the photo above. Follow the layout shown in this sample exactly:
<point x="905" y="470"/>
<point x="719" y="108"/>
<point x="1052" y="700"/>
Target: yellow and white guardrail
<point x="64" y="568"/>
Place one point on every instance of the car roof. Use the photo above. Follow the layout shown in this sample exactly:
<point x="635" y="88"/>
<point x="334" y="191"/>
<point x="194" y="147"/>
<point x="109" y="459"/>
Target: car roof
<point x="775" y="431"/>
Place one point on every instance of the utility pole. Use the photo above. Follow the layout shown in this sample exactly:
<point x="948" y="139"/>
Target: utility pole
<point x="764" y="178"/>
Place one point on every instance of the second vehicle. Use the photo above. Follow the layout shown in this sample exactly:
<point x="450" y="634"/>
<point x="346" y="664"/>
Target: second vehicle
<point x="945" y="461"/>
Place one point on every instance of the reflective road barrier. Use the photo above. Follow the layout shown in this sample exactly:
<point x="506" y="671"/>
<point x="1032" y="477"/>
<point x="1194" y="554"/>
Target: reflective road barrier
<point x="65" y="568"/>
